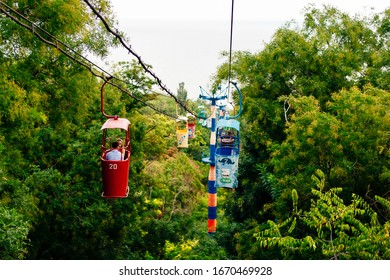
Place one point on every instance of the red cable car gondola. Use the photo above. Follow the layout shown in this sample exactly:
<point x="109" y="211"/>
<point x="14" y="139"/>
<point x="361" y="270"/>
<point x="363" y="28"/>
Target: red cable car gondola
<point x="191" y="126"/>
<point x="115" y="172"/>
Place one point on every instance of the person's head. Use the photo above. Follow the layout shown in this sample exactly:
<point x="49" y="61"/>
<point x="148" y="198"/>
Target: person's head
<point x="115" y="145"/>
<point x="119" y="142"/>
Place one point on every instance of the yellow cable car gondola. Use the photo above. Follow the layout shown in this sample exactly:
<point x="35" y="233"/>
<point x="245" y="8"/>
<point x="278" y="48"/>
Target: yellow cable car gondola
<point x="182" y="132"/>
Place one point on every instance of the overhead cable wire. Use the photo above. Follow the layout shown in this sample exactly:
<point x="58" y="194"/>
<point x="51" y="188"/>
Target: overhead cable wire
<point x="230" y="47"/>
<point x="140" y="61"/>
<point x="96" y="70"/>
<point x="33" y="28"/>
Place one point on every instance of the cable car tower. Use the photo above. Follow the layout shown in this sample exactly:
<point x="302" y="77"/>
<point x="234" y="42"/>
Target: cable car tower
<point x="224" y="153"/>
<point x="212" y="190"/>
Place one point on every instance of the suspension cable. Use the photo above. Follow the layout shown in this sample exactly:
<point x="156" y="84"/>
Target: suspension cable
<point x="230" y="48"/>
<point x="96" y="70"/>
<point x="140" y="61"/>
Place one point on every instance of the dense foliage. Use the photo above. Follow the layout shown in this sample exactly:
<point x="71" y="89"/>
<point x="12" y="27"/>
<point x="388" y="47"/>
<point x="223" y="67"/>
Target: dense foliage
<point x="314" y="178"/>
<point x="316" y="98"/>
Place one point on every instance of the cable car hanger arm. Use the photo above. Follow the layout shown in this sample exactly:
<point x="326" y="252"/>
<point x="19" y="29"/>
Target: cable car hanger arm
<point x="240" y="100"/>
<point x="102" y="99"/>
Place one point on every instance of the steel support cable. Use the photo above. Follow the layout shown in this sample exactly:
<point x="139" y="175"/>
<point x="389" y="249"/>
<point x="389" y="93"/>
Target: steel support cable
<point x="140" y="61"/>
<point x="33" y="28"/>
<point x="230" y="47"/>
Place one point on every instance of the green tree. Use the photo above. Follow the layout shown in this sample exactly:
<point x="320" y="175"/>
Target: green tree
<point x="50" y="140"/>
<point x="334" y="230"/>
<point x="182" y="97"/>
<point x="304" y="66"/>
<point x="349" y="143"/>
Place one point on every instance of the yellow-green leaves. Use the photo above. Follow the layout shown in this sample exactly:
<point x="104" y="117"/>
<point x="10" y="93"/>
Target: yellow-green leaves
<point x="338" y="230"/>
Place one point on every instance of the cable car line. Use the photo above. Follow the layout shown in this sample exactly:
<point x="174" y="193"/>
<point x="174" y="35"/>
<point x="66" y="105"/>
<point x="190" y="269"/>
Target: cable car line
<point x="103" y="74"/>
<point x="230" y="47"/>
<point x="34" y="28"/>
<point x="140" y="61"/>
<point x="96" y="70"/>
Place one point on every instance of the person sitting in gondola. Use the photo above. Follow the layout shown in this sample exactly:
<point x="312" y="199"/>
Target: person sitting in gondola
<point x="227" y="139"/>
<point x="114" y="154"/>
<point x="120" y="147"/>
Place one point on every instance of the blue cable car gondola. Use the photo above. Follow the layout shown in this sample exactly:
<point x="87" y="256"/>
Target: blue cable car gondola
<point x="227" y="153"/>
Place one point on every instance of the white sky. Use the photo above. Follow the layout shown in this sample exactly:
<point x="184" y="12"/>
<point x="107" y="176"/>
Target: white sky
<point x="220" y="9"/>
<point x="183" y="39"/>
